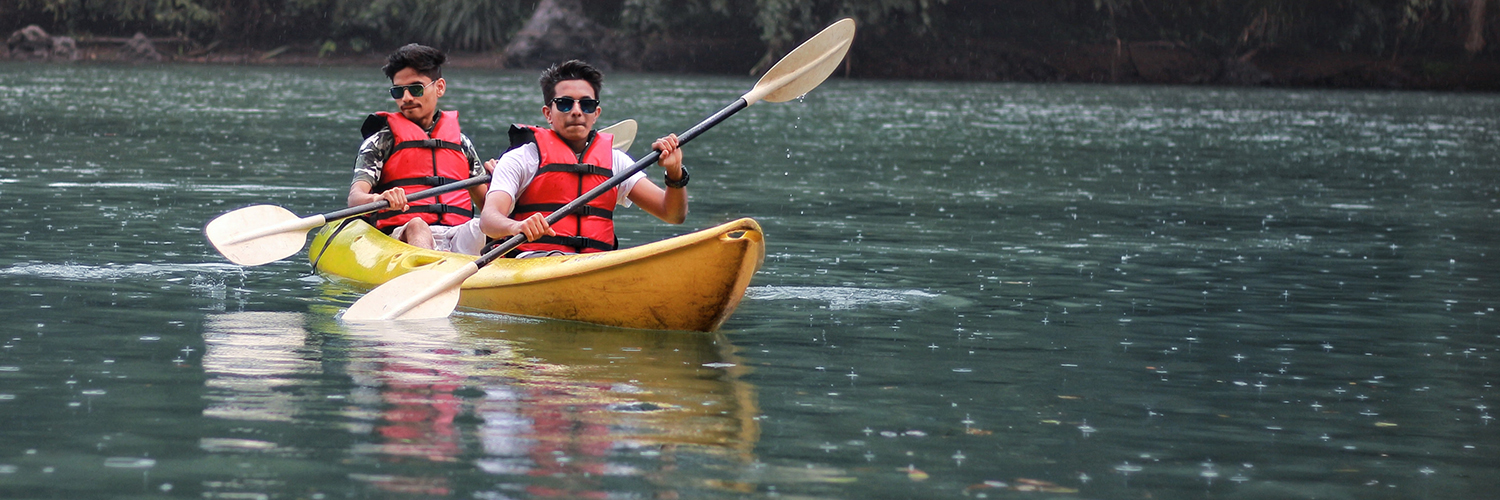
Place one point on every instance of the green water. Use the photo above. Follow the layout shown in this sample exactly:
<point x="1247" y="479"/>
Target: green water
<point x="970" y="291"/>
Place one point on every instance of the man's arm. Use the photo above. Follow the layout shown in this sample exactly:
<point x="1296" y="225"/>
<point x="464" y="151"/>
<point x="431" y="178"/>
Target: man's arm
<point x="368" y="166"/>
<point x="476" y="169"/>
<point x="495" y="219"/>
<point x="670" y="204"/>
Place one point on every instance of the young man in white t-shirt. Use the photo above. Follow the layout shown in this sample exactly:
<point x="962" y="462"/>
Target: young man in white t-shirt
<point x="571" y="95"/>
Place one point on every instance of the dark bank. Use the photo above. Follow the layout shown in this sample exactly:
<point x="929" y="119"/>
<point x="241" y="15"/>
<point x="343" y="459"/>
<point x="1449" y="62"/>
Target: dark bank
<point x="1384" y="44"/>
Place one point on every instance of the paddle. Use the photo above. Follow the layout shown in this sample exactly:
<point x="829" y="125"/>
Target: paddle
<point x="434" y="294"/>
<point x="259" y="234"/>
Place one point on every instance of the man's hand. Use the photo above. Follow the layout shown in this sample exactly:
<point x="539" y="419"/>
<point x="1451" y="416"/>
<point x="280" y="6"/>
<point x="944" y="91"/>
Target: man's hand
<point x="533" y="227"/>
<point x="671" y="155"/>
<point x="396" y="197"/>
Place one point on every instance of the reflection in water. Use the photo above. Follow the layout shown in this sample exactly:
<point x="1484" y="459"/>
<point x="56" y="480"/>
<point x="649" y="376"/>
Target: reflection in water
<point x="247" y="357"/>
<point x="553" y="409"/>
<point x="576" y="396"/>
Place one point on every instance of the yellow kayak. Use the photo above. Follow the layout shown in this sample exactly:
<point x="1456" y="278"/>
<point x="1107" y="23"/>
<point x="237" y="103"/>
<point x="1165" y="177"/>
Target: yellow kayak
<point x="689" y="282"/>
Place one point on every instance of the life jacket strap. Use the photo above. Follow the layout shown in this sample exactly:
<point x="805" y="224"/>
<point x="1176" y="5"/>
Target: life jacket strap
<point x="428" y="144"/>
<point x="435" y="208"/>
<point x="429" y="181"/>
<point x="577" y="242"/>
<point x="548" y="208"/>
<point x="576" y="168"/>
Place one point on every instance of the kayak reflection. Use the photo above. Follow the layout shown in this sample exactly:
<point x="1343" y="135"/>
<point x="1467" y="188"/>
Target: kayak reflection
<point x="549" y="407"/>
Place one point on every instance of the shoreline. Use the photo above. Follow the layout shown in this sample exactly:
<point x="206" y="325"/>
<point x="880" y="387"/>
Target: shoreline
<point x="1138" y="63"/>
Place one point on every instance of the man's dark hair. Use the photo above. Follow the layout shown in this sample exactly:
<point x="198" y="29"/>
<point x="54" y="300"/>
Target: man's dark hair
<point x="571" y="70"/>
<point x="427" y="61"/>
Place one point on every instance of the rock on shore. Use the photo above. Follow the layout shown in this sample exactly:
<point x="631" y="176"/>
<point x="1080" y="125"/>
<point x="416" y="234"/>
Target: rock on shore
<point x="32" y="43"/>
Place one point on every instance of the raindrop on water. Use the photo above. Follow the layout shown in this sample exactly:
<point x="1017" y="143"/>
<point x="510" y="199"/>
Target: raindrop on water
<point x="129" y="463"/>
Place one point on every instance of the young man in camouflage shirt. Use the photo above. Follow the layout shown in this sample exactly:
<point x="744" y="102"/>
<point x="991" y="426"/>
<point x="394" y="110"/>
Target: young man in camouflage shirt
<point x="419" y="148"/>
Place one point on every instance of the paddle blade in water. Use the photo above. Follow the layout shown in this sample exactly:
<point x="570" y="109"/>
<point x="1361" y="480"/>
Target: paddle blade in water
<point x="807" y="66"/>
<point x="421" y="294"/>
<point x="258" y="234"/>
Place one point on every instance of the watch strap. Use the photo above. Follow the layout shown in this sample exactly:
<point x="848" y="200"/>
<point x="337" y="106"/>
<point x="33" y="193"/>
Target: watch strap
<point x="681" y="182"/>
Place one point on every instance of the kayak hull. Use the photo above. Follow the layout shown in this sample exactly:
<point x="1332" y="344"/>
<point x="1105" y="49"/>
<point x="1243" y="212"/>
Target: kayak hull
<point x="689" y="282"/>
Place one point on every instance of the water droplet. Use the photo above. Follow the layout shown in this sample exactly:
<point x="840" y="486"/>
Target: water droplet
<point x="129" y="462"/>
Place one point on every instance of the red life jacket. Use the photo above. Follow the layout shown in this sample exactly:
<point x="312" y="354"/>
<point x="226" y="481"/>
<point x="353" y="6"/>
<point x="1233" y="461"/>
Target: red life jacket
<point x="562" y="177"/>
<point x="419" y="162"/>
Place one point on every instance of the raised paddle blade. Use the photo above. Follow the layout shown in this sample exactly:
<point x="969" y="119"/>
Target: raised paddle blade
<point x="807" y="66"/>
<point x="421" y="294"/>
<point x="258" y="234"/>
<point x="624" y="133"/>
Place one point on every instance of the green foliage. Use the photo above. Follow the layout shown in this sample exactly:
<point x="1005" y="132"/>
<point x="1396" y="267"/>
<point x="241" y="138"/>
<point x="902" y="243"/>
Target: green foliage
<point x="1233" y="27"/>
<point x="691" y="17"/>
<point x="788" y="21"/>
<point x="779" y="24"/>
<point x="783" y="23"/>
<point x="173" y="16"/>
<point x="448" y="24"/>
<point x="1229" y="28"/>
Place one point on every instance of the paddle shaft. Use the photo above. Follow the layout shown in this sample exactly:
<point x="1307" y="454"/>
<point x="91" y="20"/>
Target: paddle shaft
<point x="426" y="193"/>
<point x="641" y="164"/>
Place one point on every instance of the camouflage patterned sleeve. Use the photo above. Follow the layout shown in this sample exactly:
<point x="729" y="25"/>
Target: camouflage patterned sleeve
<point x="372" y="155"/>
<point x="476" y="165"/>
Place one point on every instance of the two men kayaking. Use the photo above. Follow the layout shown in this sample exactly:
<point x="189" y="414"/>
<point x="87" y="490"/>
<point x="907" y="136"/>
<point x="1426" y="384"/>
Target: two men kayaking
<point x="545" y="168"/>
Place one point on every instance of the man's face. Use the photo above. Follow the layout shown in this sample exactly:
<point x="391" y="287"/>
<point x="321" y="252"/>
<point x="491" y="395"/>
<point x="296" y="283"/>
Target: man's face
<point x="573" y="125"/>
<point x="419" y="110"/>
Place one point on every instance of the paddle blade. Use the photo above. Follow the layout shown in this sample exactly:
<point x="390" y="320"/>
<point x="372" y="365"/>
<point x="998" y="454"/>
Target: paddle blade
<point x="258" y="234"/>
<point x="806" y="66"/>
<point x="424" y="294"/>
<point x="624" y="133"/>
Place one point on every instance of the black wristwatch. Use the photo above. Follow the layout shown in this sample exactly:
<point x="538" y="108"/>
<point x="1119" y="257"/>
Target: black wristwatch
<point x="679" y="183"/>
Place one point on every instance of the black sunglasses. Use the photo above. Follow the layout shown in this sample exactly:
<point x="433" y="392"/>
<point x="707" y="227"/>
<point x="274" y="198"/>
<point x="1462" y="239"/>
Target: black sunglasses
<point x="565" y="104"/>
<point x="416" y="90"/>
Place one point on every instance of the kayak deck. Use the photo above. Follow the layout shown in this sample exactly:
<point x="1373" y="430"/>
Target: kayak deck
<point x="689" y="282"/>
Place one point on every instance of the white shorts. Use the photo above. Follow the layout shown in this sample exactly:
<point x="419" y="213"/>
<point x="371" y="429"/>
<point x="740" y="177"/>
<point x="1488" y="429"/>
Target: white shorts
<point x="464" y="238"/>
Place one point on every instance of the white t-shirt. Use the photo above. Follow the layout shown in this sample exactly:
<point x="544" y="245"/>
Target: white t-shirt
<point x="517" y="168"/>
